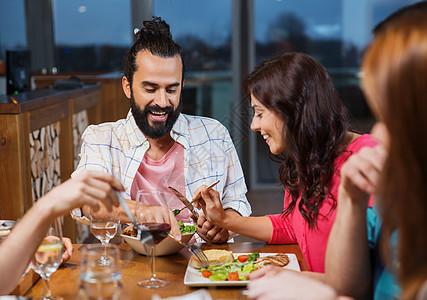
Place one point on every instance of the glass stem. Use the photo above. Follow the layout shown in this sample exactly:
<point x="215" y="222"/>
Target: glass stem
<point x="104" y="245"/>
<point x="153" y="271"/>
<point x="46" y="290"/>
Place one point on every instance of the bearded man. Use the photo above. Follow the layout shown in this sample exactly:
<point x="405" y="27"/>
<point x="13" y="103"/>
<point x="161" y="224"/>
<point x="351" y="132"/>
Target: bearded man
<point x="157" y="146"/>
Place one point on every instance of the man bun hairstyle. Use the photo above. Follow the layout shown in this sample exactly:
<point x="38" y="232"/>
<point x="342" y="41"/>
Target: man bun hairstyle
<point x="155" y="37"/>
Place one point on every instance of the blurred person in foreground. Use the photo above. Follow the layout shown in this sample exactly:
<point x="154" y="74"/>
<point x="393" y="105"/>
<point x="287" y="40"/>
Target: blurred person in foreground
<point x="90" y="188"/>
<point x="306" y="127"/>
<point x="395" y="84"/>
<point x="157" y="146"/>
<point x="379" y="252"/>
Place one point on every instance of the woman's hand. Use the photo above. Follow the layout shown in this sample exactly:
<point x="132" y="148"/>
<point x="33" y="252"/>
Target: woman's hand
<point x="211" y="205"/>
<point x="360" y="174"/>
<point x="86" y="188"/>
<point x="288" y="284"/>
<point x="67" y="250"/>
<point x="267" y="271"/>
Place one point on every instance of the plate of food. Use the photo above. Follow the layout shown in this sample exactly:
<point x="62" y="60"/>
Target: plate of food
<point x="229" y="269"/>
<point x="167" y="246"/>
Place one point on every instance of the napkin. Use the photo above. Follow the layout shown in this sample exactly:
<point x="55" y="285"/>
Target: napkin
<point x="202" y="294"/>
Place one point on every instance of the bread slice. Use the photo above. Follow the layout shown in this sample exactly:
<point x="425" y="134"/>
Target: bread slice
<point x="215" y="256"/>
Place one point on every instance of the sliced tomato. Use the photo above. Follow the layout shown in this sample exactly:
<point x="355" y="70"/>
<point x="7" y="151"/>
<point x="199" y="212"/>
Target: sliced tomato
<point x="206" y="273"/>
<point x="233" y="276"/>
<point x="243" y="257"/>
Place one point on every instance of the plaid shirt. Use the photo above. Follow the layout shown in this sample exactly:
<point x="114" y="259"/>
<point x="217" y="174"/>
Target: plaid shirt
<point x="209" y="155"/>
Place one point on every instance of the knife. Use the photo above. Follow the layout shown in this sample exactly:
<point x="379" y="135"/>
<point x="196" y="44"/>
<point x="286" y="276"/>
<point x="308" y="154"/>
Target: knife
<point x="189" y="204"/>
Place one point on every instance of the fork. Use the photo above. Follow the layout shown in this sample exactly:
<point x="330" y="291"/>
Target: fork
<point x="196" y="250"/>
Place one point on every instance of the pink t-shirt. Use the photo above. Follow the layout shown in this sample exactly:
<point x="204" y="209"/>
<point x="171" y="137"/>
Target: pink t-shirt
<point x="294" y="229"/>
<point x="159" y="174"/>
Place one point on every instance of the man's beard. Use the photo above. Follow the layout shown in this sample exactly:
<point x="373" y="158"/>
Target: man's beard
<point x="157" y="129"/>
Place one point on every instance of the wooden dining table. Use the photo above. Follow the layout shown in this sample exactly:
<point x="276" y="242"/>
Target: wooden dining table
<point x="64" y="283"/>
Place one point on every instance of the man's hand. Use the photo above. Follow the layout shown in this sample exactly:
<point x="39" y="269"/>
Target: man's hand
<point x="211" y="233"/>
<point x="145" y="213"/>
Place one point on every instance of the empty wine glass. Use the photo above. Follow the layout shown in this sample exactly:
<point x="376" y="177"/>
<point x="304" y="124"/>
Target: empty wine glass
<point x="153" y="215"/>
<point x="100" y="281"/>
<point x="48" y="256"/>
<point x="104" y="226"/>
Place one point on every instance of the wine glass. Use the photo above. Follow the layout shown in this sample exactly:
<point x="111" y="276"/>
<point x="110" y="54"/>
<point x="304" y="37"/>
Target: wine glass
<point x="153" y="215"/>
<point x="104" y="226"/>
<point x="100" y="281"/>
<point x="48" y="256"/>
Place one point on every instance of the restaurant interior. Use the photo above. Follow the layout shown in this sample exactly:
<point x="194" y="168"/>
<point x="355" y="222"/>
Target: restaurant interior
<point x="61" y="68"/>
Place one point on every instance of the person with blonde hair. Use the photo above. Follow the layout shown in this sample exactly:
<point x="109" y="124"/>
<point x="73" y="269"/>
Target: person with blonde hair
<point x="394" y="81"/>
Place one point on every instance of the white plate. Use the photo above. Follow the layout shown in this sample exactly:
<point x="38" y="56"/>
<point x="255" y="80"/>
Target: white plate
<point x="194" y="278"/>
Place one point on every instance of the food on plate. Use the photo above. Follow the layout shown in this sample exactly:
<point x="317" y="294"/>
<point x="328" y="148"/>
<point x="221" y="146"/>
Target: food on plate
<point x="236" y="269"/>
<point x="215" y="256"/>
<point x="185" y="228"/>
<point x="279" y="259"/>
<point x="243" y="257"/>
<point x="130" y="231"/>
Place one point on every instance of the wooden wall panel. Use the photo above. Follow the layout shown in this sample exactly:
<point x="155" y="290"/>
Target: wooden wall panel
<point x="38" y="146"/>
<point x="15" y="183"/>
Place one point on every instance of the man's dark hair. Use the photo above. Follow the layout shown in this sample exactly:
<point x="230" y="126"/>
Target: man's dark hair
<point x="155" y="37"/>
<point x="409" y="10"/>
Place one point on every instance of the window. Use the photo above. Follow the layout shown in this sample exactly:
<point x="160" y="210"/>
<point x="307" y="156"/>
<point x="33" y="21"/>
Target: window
<point x="91" y="36"/>
<point x="335" y="32"/>
<point x="12" y="33"/>
<point x="12" y="26"/>
<point x="203" y="29"/>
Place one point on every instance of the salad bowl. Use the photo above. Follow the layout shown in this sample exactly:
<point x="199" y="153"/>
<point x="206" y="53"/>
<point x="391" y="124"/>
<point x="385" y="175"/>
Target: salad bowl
<point x="166" y="247"/>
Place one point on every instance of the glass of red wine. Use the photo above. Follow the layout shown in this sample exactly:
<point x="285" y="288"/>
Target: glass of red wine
<point x="153" y="215"/>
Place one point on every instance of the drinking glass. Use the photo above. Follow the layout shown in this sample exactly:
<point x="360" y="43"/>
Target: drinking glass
<point x="104" y="227"/>
<point x="153" y="215"/>
<point x="100" y="281"/>
<point x="48" y="256"/>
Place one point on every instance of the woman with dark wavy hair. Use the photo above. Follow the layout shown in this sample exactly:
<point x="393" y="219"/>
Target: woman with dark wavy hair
<point x="306" y="126"/>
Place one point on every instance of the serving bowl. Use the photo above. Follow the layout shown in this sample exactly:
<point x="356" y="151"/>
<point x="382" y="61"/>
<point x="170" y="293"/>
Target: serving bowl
<point x="166" y="247"/>
<point x="5" y="228"/>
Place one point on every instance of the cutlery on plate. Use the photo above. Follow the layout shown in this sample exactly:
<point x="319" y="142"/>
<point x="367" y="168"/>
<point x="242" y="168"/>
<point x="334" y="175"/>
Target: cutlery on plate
<point x="189" y="204"/>
<point x="196" y="250"/>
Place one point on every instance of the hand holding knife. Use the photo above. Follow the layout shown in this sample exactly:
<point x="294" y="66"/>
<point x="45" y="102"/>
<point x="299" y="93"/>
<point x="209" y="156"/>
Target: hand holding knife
<point x="187" y="203"/>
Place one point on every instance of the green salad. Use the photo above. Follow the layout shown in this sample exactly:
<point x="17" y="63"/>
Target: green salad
<point x="232" y="271"/>
<point x="187" y="228"/>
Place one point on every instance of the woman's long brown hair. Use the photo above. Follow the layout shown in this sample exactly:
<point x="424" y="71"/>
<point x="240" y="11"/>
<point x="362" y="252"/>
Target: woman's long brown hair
<point x="300" y="91"/>
<point x="395" y="81"/>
